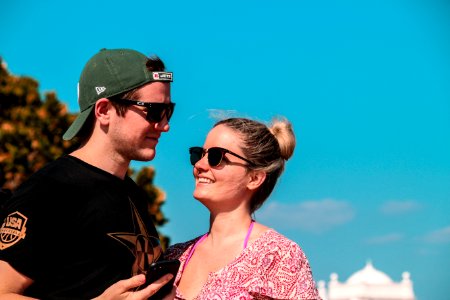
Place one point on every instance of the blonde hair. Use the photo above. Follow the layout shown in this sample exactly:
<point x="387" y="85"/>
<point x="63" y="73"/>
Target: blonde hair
<point x="267" y="147"/>
<point x="283" y="132"/>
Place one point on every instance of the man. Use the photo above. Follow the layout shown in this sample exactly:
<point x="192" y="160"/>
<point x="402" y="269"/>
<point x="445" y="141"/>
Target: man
<point x="79" y="227"/>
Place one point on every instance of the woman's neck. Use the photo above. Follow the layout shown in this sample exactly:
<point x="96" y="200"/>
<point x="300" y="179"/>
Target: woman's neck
<point x="228" y="227"/>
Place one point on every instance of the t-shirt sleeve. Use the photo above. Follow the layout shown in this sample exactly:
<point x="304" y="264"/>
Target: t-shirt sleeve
<point x="17" y="230"/>
<point x="286" y="274"/>
<point x="28" y="218"/>
<point x="294" y="265"/>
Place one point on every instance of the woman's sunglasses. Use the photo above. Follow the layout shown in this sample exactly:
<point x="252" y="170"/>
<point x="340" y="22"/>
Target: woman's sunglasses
<point x="215" y="155"/>
<point x="155" y="111"/>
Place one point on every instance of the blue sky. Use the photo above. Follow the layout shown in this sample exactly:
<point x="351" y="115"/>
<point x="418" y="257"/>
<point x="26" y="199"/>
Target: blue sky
<point x="366" y="85"/>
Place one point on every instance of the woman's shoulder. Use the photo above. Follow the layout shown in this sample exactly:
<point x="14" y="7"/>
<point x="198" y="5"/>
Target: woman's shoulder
<point x="273" y="239"/>
<point x="280" y="261"/>
<point x="271" y="243"/>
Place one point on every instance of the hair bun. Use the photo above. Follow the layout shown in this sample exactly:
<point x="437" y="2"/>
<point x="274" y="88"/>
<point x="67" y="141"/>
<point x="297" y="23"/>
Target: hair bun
<point x="281" y="128"/>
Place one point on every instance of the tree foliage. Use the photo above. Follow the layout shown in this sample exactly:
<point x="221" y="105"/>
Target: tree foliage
<point x="31" y="130"/>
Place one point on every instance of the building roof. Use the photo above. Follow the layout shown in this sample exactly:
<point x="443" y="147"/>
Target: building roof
<point x="369" y="275"/>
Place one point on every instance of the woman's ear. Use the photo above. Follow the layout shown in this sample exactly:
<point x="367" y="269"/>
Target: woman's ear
<point x="102" y="110"/>
<point x="256" y="179"/>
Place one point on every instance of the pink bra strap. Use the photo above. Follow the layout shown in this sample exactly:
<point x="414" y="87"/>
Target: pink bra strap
<point x="247" y="237"/>
<point x="193" y="249"/>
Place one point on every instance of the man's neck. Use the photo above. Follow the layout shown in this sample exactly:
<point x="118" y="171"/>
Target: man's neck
<point x="102" y="159"/>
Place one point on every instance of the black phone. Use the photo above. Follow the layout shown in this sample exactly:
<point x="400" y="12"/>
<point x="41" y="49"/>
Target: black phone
<point x="157" y="270"/>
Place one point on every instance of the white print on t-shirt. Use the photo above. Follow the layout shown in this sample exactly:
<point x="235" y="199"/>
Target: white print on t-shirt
<point x="13" y="229"/>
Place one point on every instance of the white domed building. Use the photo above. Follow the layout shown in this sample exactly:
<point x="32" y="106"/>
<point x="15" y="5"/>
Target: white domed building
<point x="367" y="284"/>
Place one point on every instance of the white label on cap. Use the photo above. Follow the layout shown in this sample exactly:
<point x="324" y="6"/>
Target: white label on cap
<point x="100" y="89"/>
<point x="162" y="76"/>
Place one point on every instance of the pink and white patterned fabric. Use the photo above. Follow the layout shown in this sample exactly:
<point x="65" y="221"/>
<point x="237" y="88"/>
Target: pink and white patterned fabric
<point x="272" y="267"/>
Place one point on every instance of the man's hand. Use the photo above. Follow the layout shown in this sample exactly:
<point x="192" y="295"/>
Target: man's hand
<point x="125" y="289"/>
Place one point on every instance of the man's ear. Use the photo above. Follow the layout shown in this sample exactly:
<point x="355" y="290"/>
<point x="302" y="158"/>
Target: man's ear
<point x="256" y="178"/>
<point x="102" y="110"/>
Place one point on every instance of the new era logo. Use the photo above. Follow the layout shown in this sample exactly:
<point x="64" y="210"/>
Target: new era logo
<point x="100" y="89"/>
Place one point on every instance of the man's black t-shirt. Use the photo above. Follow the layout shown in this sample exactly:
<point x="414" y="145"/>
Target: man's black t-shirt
<point x="75" y="230"/>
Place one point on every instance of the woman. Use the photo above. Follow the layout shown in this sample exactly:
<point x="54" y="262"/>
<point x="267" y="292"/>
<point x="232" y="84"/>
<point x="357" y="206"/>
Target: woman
<point x="235" y="172"/>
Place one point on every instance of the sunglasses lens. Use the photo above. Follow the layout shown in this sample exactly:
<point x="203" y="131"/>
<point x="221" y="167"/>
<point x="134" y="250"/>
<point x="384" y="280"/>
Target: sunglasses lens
<point x="196" y="154"/>
<point x="215" y="156"/>
<point x="157" y="112"/>
<point x="169" y="111"/>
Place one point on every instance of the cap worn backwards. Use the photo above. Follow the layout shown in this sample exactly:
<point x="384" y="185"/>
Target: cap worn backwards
<point x="108" y="73"/>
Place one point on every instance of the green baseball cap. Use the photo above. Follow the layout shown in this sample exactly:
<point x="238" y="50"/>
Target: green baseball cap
<point x="108" y="73"/>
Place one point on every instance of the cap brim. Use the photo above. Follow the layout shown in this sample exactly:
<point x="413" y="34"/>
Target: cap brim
<point x="77" y="124"/>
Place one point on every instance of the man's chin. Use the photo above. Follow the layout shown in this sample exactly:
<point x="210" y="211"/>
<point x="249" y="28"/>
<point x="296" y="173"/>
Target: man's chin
<point x="148" y="156"/>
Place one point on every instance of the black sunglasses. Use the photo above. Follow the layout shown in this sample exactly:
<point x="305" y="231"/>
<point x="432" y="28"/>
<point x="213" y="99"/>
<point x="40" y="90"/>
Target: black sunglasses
<point x="215" y="155"/>
<point x="155" y="111"/>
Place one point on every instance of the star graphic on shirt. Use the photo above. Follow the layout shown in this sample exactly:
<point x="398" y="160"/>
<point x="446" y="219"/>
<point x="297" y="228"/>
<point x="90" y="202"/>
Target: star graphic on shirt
<point x="146" y="249"/>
